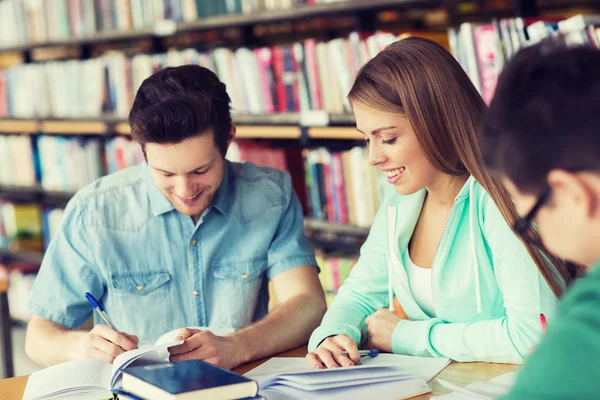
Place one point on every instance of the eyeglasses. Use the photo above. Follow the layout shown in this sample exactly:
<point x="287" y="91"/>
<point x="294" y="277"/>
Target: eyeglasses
<point x="524" y="223"/>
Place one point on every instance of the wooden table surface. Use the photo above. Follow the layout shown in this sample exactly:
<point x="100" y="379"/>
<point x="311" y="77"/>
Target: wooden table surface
<point x="460" y="374"/>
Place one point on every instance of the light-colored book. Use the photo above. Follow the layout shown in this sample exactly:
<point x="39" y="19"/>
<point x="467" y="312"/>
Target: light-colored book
<point x="387" y="376"/>
<point x="90" y="378"/>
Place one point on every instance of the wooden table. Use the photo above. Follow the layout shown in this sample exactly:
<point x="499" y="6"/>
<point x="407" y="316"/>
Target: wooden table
<point x="460" y="374"/>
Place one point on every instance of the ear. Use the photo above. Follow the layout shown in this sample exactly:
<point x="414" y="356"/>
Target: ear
<point x="574" y="191"/>
<point x="232" y="136"/>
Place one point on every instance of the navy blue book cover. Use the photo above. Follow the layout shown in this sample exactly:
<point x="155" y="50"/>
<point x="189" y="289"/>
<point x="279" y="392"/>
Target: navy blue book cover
<point x="186" y="376"/>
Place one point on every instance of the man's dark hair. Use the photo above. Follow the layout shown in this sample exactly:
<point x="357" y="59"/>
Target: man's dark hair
<point x="177" y="103"/>
<point x="545" y="115"/>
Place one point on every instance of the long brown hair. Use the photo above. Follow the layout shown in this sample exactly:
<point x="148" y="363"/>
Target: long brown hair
<point x="420" y="79"/>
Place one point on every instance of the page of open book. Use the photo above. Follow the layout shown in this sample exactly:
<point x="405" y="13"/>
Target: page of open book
<point x="77" y="376"/>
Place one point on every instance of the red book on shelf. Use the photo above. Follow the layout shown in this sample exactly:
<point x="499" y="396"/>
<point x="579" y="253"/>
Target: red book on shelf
<point x="278" y="69"/>
<point x="340" y="197"/>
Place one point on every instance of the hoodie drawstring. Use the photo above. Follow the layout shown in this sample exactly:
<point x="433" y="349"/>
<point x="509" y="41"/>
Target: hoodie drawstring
<point x="472" y="203"/>
<point x="391" y="225"/>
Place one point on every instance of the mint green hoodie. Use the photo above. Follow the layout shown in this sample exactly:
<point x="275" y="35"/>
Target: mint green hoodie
<point x="487" y="292"/>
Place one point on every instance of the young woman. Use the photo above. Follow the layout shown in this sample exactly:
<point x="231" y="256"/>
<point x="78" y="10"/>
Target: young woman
<point x="441" y="243"/>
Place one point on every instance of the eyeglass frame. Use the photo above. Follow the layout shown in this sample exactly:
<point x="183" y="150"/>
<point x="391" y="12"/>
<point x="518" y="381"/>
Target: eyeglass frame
<point x="522" y="224"/>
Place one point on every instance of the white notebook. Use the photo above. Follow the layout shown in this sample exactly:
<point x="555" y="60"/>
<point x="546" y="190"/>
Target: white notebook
<point x="486" y="390"/>
<point x="387" y="376"/>
<point x="89" y="378"/>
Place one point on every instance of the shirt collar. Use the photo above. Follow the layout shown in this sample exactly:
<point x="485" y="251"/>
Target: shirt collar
<point x="160" y="204"/>
<point x="221" y="199"/>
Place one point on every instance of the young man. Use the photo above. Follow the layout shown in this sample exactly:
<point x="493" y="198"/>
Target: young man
<point x="542" y="136"/>
<point x="184" y="239"/>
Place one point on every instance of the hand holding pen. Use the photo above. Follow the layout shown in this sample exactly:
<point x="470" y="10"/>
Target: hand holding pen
<point x="103" y="342"/>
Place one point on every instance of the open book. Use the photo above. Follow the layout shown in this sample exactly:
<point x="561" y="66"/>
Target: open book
<point x="387" y="376"/>
<point x="89" y="378"/>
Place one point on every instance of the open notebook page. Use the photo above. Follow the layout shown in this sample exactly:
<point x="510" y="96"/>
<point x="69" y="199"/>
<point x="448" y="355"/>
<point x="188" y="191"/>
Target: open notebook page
<point x="486" y="390"/>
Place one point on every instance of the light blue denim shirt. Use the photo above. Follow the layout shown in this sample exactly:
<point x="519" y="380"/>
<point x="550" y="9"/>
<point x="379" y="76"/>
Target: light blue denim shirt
<point x="123" y="241"/>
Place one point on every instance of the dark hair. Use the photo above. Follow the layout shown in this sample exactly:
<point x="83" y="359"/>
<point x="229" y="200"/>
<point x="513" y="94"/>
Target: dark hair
<point x="544" y="115"/>
<point x="177" y="103"/>
<point x="420" y="79"/>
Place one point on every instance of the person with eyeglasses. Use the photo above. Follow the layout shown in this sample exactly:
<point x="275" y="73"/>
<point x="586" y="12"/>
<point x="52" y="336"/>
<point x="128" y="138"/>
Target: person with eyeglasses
<point x="441" y="274"/>
<point x="541" y="136"/>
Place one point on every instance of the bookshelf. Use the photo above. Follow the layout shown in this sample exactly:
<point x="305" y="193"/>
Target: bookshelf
<point x="276" y="126"/>
<point x="169" y="28"/>
<point x="314" y="132"/>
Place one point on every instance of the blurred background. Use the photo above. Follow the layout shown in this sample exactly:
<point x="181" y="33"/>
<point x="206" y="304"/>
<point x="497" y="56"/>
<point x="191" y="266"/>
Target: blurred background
<point x="69" y="71"/>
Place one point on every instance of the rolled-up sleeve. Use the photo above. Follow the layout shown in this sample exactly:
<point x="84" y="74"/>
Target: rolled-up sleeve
<point x="289" y="247"/>
<point x="67" y="273"/>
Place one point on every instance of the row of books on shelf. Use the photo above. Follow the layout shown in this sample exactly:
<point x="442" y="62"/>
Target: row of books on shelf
<point x="39" y="21"/>
<point x="267" y="80"/>
<point x="335" y="269"/>
<point x="334" y="186"/>
<point x="483" y="49"/>
<point x="308" y="75"/>
<point x="63" y="164"/>
<point x="342" y="187"/>
<point x="28" y="226"/>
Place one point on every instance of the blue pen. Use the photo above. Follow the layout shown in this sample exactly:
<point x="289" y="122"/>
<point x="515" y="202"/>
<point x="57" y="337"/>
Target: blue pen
<point x="100" y="310"/>
<point x="363" y="353"/>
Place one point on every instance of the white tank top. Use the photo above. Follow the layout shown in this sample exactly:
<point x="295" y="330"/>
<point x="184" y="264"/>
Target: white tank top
<point x="419" y="280"/>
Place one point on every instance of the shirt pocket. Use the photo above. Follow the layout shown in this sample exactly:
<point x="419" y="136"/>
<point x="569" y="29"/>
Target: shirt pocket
<point x="237" y="285"/>
<point x="133" y="295"/>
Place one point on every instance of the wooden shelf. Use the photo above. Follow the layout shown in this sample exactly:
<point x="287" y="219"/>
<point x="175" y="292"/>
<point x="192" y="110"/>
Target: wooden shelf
<point x="335" y="132"/>
<point x="311" y="224"/>
<point x="105" y="36"/>
<point x="73" y="127"/>
<point x="268" y="132"/>
<point x="22" y="255"/>
<point x="18" y="126"/>
<point x="122" y="128"/>
<point x="301" y="12"/>
<point x="35" y="194"/>
<point x="272" y="126"/>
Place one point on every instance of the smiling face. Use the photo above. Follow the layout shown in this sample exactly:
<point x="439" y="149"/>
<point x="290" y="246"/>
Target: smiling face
<point x="395" y="149"/>
<point x="188" y="173"/>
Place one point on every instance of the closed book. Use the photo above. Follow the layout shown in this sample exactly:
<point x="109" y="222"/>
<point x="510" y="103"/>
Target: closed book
<point x="192" y="379"/>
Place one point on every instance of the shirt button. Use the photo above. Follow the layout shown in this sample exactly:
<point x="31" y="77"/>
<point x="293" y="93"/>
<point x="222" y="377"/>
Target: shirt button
<point x="245" y="276"/>
<point x="140" y="287"/>
<point x="196" y="293"/>
<point x="193" y="242"/>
